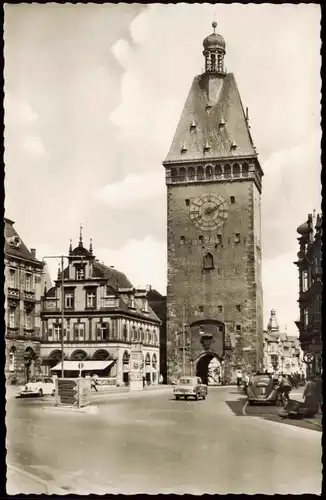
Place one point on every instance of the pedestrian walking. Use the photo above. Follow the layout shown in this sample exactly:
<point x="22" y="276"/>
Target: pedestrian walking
<point x="239" y="377"/>
<point x="160" y="380"/>
<point x="94" y="382"/>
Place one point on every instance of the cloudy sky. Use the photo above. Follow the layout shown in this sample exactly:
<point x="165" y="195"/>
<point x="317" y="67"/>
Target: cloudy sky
<point x="93" y="94"/>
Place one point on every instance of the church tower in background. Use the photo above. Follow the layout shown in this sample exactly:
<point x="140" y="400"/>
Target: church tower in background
<point x="214" y="183"/>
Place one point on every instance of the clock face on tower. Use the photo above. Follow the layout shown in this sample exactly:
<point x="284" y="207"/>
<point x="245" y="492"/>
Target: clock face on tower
<point x="209" y="212"/>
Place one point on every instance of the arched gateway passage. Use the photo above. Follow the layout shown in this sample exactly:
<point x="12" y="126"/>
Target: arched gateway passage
<point x="208" y="369"/>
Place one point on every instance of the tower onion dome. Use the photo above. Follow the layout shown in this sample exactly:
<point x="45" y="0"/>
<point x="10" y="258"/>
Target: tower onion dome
<point x="214" y="41"/>
<point x="303" y="229"/>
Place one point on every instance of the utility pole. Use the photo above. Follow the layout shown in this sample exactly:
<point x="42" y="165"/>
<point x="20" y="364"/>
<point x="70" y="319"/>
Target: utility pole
<point x="62" y="317"/>
<point x="183" y="341"/>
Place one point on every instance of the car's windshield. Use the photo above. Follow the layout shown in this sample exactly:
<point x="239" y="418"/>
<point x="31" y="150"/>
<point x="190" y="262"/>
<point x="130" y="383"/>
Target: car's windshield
<point x="187" y="381"/>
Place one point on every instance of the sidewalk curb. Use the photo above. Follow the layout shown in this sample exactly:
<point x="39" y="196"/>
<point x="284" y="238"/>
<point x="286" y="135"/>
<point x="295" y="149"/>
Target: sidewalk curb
<point x="50" y="486"/>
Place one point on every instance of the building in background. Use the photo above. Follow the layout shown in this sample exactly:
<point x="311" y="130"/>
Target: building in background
<point x="214" y="184"/>
<point x="157" y="302"/>
<point x="282" y="352"/>
<point x="103" y="315"/>
<point x="23" y="274"/>
<point x="310" y="289"/>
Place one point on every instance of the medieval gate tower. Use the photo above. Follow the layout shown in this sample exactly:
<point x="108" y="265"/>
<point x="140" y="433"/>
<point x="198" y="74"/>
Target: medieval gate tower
<point x="213" y="178"/>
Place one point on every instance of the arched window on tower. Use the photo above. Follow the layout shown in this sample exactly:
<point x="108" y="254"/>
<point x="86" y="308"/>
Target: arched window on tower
<point x="220" y="63"/>
<point x="227" y="172"/>
<point x="213" y="62"/>
<point x="245" y="170"/>
<point x="208" y="262"/>
<point x="182" y="174"/>
<point x="191" y="173"/>
<point x="236" y="170"/>
<point x="209" y="172"/>
<point x="218" y="171"/>
<point x="200" y="173"/>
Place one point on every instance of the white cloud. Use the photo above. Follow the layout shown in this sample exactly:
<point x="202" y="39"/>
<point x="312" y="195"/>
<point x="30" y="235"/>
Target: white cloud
<point x="135" y="191"/>
<point x="139" y="28"/>
<point x="143" y="262"/>
<point x="18" y="113"/>
<point x="33" y="145"/>
<point x="121" y="51"/>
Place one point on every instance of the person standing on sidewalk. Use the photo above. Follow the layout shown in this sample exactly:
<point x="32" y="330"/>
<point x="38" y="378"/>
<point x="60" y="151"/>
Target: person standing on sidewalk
<point x="239" y="377"/>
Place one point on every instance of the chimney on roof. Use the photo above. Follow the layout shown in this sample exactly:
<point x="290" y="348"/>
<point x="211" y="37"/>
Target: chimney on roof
<point x="148" y="288"/>
<point x="33" y="252"/>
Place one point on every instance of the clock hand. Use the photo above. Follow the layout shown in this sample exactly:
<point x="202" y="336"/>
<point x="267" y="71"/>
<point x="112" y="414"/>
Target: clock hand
<point x="209" y="210"/>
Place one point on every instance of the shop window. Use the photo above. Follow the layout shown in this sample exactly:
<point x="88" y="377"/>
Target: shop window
<point x="12" y="359"/>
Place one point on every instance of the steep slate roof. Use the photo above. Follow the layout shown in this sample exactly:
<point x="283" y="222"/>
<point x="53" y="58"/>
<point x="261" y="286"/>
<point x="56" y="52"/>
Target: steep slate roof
<point x="226" y="105"/>
<point x="115" y="278"/>
<point x="22" y="251"/>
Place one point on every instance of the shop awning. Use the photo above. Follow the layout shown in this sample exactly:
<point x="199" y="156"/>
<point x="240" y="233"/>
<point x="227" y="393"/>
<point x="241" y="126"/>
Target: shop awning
<point x="88" y="366"/>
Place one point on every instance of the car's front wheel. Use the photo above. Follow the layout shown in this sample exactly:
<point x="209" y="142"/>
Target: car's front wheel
<point x="40" y="393"/>
<point x="204" y="396"/>
<point x="196" y="396"/>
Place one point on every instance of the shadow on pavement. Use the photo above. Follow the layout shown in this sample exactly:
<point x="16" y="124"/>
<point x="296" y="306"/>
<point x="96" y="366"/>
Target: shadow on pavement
<point x="270" y="413"/>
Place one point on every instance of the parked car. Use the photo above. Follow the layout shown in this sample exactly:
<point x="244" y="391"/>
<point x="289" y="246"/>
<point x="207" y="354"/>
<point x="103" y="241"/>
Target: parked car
<point x="190" y="387"/>
<point x="262" y="389"/>
<point x="40" y="386"/>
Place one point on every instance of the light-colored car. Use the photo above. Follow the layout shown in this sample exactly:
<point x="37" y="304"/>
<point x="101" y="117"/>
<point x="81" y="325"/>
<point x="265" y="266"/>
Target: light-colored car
<point x="190" y="387"/>
<point x="40" y="386"/>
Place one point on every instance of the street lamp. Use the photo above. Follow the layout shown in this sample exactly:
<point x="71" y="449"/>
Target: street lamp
<point x="62" y="304"/>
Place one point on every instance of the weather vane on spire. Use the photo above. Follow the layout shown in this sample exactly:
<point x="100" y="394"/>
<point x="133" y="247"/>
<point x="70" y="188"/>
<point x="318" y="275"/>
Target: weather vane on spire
<point x="81" y="236"/>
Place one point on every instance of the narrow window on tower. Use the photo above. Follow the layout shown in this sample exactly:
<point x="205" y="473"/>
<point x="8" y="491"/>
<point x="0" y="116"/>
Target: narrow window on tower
<point x="232" y="200"/>
<point x="237" y="238"/>
<point x="208" y="262"/>
<point x="187" y="202"/>
<point x="182" y="241"/>
<point x="201" y="309"/>
<point x="238" y="328"/>
<point x="201" y="239"/>
<point x="219" y="239"/>
<point x="220" y="309"/>
<point x="238" y="306"/>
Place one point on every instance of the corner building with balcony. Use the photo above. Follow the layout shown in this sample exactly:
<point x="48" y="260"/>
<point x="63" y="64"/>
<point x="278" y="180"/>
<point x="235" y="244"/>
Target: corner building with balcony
<point x="310" y="290"/>
<point x="23" y="287"/>
<point x="103" y="315"/>
<point x="214" y="183"/>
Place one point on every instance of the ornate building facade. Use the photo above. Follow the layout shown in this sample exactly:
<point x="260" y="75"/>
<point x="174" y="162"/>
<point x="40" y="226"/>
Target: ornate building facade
<point x="23" y="275"/>
<point x="103" y="315"/>
<point x="310" y="289"/>
<point x="158" y="303"/>
<point x="214" y="183"/>
<point x="282" y="352"/>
